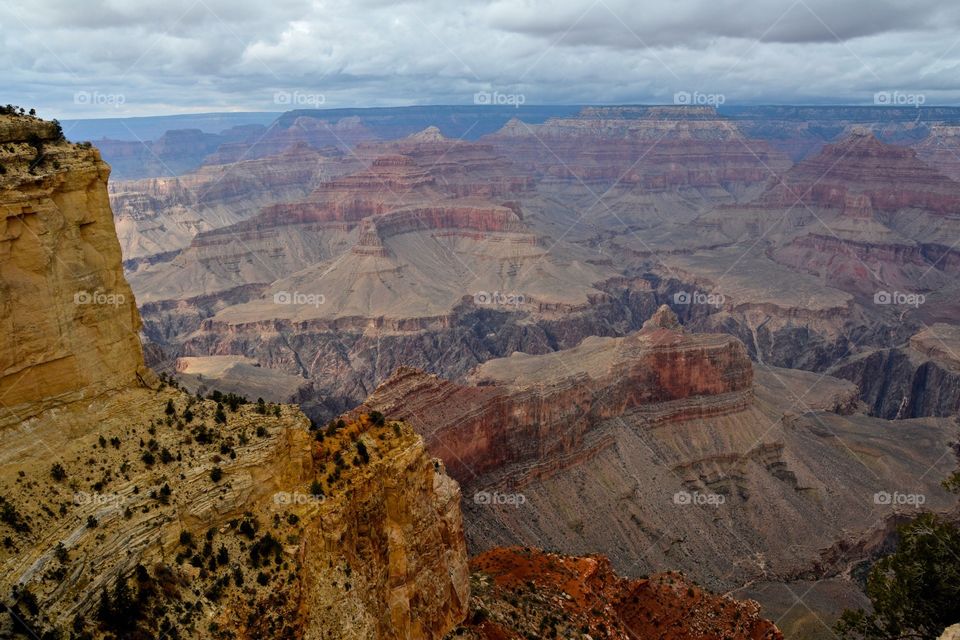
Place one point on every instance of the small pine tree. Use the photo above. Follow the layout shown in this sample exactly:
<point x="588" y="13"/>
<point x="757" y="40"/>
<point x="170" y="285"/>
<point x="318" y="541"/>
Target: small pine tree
<point x="362" y="452"/>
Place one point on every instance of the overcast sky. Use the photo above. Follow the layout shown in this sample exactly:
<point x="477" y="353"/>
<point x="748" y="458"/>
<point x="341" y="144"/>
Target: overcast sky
<point x="101" y="58"/>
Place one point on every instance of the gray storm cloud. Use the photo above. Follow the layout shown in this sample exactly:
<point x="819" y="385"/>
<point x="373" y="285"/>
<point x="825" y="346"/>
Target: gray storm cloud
<point x="199" y="55"/>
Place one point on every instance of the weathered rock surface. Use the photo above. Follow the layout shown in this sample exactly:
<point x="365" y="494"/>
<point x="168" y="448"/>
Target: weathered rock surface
<point x="861" y="214"/>
<point x="527" y="410"/>
<point x="656" y="148"/>
<point x="920" y="378"/>
<point x="521" y="593"/>
<point x="68" y="316"/>
<point x="392" y="264"/>
<point x="374" y="549"/>
<point x="160" y="215"/>
<point x="677" y="455"/>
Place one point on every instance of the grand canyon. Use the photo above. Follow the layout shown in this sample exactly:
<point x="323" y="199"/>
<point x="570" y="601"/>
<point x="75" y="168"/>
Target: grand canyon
<point x="583" y="369"/>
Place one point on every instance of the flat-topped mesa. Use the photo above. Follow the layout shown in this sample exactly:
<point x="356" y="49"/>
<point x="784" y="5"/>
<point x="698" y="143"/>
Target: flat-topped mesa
<point x="477" y="217"/>
<point x="458" y="219"/>
<point x="658" y="148"/>
<point x="68" y="316"/>
<point x="535" y="410"/>
<point x="461" y="168"/>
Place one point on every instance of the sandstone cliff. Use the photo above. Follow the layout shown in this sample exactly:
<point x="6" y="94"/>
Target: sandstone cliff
<point x="68" y="317"/>
<point x="244" y="526"/>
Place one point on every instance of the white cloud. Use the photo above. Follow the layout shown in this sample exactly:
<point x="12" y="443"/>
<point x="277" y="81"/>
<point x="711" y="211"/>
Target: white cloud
<point x="197" y="55"/>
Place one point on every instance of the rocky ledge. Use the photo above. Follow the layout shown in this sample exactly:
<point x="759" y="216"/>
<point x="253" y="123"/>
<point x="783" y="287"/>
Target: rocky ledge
<point x="525" y="593"/>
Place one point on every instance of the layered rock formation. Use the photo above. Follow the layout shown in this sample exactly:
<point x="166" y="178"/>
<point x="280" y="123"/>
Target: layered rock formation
<point x="68" y="314"/>
<point x="247" y="523"/>
<point x="940" y="149"/>
<point x="161" y="215"/>
<point x="655" y="148"/>
<point x="422" y="248"/>
<point x="803" y="131"/>
<point x="861" y="214"/>
<point x="175" y="151"/>
<point x="129" y="511"/>
<point x="920" y="378"/>
<point x="847" y="253"/>
<point x="527" y="593"/>
<point x="665" y="450"/>
<point x="526" y="410"/>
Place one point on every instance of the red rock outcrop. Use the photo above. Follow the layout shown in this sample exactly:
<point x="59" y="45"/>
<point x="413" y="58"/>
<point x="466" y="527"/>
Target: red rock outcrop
<point x="523" y="592"/>
<point x="534" y="409"/>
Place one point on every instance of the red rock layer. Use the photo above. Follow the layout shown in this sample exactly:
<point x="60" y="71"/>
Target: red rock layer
<point x="657" y="149"/>
<point x="405" y="186"/>
<point x="886" y="177"/>
<point x="482" y="428"/>
<point x="524" y="591"/>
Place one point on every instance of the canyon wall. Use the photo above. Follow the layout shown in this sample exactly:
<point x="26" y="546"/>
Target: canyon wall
<point x="68" y="315"/>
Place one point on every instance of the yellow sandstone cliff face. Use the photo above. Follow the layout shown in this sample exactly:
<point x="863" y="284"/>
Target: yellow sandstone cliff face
<point x="68" y="320"/>
<point x="230" y="522"/>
